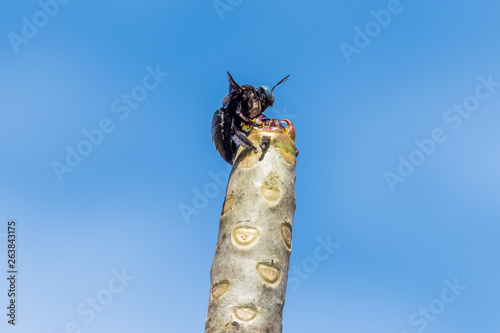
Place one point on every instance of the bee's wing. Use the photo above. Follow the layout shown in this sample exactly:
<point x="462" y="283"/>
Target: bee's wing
<point x="233" y="86"/>
<point x="221" y="135"/>
<point x="225" y="101"/>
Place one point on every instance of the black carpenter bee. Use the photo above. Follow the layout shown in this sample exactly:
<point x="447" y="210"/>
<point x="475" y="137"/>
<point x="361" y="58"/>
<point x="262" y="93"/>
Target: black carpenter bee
<point x="240" y="108"/>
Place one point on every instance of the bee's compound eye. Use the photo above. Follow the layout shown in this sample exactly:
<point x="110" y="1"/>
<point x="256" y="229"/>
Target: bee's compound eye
<point x="264" y="90"/>
<point x="266" y="96"/>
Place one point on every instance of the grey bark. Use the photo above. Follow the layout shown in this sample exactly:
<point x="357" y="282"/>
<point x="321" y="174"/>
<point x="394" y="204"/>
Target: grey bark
<point x="250" y="267"/>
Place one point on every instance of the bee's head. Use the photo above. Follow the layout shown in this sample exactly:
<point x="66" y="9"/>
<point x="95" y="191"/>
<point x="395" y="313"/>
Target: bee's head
<point x="267" y="96"/>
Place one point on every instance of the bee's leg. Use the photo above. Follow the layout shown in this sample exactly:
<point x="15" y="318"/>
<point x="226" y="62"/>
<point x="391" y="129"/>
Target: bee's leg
<point x="240" y="137"/>
<point x="260" y="119"/>
<point x="245" y="118"/>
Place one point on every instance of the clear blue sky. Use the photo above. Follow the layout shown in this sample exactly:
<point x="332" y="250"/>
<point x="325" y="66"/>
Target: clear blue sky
<point x="397" y="118"/>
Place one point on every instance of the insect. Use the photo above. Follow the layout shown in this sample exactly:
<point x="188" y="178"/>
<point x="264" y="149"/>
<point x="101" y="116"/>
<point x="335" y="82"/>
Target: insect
<point x="240" y="108"/>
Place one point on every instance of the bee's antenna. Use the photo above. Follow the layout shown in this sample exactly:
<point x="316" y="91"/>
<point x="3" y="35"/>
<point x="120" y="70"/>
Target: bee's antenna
<point x="286" y="78"/>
